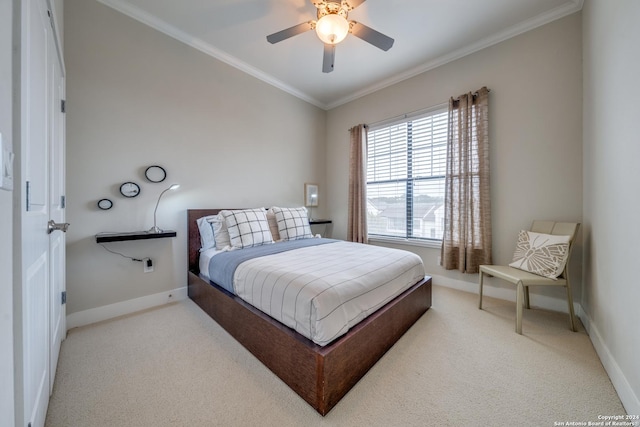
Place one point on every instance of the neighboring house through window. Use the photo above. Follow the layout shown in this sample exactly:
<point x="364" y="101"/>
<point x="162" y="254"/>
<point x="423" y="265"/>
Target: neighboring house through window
<point x="406" y="161"/>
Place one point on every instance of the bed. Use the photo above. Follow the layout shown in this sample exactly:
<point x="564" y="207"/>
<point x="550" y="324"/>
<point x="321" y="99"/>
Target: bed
<point x="321" y="375"/>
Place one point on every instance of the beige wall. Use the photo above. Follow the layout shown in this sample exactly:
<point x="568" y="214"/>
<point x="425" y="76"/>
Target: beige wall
<point x="535" y="132"/>
<point x="611" y="177"/>
<point x="137" y="97"/>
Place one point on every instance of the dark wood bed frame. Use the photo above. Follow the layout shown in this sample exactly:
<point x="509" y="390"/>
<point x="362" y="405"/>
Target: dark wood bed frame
<point x="320" y="375"/>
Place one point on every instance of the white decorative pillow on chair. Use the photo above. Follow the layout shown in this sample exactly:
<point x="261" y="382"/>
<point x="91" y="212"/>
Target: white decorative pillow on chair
<point x="293" y="223"/>
<point x="541" y="254"/>
<point x="247" y="227"/>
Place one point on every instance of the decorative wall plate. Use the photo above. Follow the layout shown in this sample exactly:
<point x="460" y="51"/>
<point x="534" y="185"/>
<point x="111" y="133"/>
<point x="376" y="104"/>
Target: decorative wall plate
<point x="130" y="189"/>
<point x="105" y="204"/>
<point x="155" y="173"/>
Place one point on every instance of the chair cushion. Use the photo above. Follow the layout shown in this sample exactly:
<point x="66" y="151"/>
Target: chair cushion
<point x="541" y="254"/>
<point x="514" y="275"/>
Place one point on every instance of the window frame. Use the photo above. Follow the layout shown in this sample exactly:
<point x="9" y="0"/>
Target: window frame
<point x="409" y="181"/>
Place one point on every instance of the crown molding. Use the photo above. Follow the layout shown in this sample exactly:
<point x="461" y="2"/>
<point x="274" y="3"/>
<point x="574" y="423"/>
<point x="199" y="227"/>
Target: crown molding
<point x="160" y="25"/>
<point x="566" y="9"/>
<point x="570" y="7"/>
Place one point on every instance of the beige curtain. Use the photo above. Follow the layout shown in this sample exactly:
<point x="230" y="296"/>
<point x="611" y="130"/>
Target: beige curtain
<point x="357" y="226"/>
<point x="466" y="243"/>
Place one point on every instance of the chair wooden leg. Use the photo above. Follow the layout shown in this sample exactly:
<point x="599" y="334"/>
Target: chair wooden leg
<point x="480" y="291"/>
<point x="572" y="317"/>
<point x="526" y="297"/>
<point x="519" y="298"/>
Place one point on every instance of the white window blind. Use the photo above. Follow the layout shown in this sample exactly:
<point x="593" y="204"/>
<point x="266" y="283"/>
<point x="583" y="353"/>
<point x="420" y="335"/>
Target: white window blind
<point x="405" y="177"/>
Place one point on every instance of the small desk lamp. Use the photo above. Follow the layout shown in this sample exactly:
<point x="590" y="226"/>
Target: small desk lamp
<point x="155" y="228"/>
<point x="310" y="196"/>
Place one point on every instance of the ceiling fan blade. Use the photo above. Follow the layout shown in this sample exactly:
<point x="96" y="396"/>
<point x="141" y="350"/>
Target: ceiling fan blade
<point x="328" y="58"/>
<point x="354" y="3"/>
<point x="372" y="36"/>
<point x="290" y="32"/>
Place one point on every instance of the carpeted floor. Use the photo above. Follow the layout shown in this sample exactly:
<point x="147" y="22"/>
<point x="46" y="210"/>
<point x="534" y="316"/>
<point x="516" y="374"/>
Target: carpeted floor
<point x="457" y="366"/>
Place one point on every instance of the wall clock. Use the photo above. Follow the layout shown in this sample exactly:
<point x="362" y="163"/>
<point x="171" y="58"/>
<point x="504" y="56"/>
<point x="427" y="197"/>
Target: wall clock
<point x="130" y="189"/>
<point x="105" y="204"/>
<point x="155" y="173"/>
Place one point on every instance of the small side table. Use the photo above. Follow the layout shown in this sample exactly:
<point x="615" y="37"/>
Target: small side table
<point x="327" y="225"/>
<point x="134" y="235"/>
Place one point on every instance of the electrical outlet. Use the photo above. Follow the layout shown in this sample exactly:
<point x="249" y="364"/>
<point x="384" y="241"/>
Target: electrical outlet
<point x="148" y="265"/>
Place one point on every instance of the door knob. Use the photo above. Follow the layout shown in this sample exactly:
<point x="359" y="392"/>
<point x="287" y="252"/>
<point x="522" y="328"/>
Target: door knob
<point x="53" y="226"/>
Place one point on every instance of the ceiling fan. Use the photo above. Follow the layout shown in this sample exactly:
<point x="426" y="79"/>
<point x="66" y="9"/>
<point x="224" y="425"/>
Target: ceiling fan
<point x="332" y="27"/>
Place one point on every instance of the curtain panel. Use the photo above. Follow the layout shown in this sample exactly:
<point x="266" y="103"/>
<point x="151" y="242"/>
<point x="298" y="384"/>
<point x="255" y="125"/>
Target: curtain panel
<point x="357" y="219"/>
<point x="466" y="242"/>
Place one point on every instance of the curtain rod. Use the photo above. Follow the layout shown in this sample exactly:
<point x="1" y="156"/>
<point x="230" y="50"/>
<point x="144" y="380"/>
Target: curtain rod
<point x="476" y="92"/>
<point x="410" y="114"/>
<point x="414" y="113"/>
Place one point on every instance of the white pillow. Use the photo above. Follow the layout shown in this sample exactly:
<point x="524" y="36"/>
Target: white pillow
<point x="220" y="232"/>
<point x="541" y="254"/>
<point x="247" y="227"/>
<point x="293" y="223"/>
<point x="207" y="239"/>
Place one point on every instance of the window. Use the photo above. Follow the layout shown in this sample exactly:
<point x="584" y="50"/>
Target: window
<point x="405" y="177"/>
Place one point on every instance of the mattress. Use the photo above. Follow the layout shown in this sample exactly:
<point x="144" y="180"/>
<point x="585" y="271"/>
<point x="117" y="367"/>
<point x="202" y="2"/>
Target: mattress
<point x="322" y="291"/>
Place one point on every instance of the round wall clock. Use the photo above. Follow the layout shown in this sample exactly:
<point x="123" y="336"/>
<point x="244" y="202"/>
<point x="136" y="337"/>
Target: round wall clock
<point x="105" y="204"/>
<point x="130" y="189"/>
<point x="155" y="173"/>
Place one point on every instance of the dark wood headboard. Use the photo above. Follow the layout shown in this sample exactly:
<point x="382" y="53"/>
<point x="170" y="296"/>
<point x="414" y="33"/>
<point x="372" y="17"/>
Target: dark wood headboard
<point x="193" y="244"/>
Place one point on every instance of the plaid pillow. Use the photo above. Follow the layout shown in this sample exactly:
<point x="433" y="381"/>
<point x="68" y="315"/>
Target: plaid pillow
<point x="293" y="223"/>
<point x="247" y="227"/>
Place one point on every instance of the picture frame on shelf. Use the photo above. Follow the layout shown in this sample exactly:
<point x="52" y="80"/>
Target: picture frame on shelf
<point x="310" y="195"/>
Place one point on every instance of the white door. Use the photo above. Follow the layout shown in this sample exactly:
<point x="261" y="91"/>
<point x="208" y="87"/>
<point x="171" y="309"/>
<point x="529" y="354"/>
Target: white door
<point x="41" y="252"/>
<point x="35" y="239"/>
<point x="56" y="213"/>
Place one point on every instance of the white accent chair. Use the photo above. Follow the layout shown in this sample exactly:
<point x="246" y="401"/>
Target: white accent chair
<point x="523" y="279"/>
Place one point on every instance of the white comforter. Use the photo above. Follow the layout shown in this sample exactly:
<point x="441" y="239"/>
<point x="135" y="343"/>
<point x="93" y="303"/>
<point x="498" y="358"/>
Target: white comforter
<point x="322" y="291"/>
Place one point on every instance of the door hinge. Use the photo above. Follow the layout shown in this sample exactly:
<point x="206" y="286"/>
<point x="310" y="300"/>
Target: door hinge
<point x="63" y="105"/>
<point x="64" y="297"/>
<point x="63" y="202"/>
<point x="27" y="194"/>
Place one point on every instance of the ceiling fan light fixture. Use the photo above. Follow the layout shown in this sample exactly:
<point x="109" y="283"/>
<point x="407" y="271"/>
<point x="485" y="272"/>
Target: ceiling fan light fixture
<point x="332" y="28"/>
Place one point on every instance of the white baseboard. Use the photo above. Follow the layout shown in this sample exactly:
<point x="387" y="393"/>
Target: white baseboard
<point x="98" y="314"/>
<point x="507" y="294"/>
<point x="629" y="399"/>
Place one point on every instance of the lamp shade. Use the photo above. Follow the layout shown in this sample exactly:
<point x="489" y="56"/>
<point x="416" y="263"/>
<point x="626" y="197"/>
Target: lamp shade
<point x="332" y="28"/>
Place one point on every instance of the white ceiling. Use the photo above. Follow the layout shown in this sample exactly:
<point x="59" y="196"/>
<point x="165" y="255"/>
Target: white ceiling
<point x="427" y="33"/>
